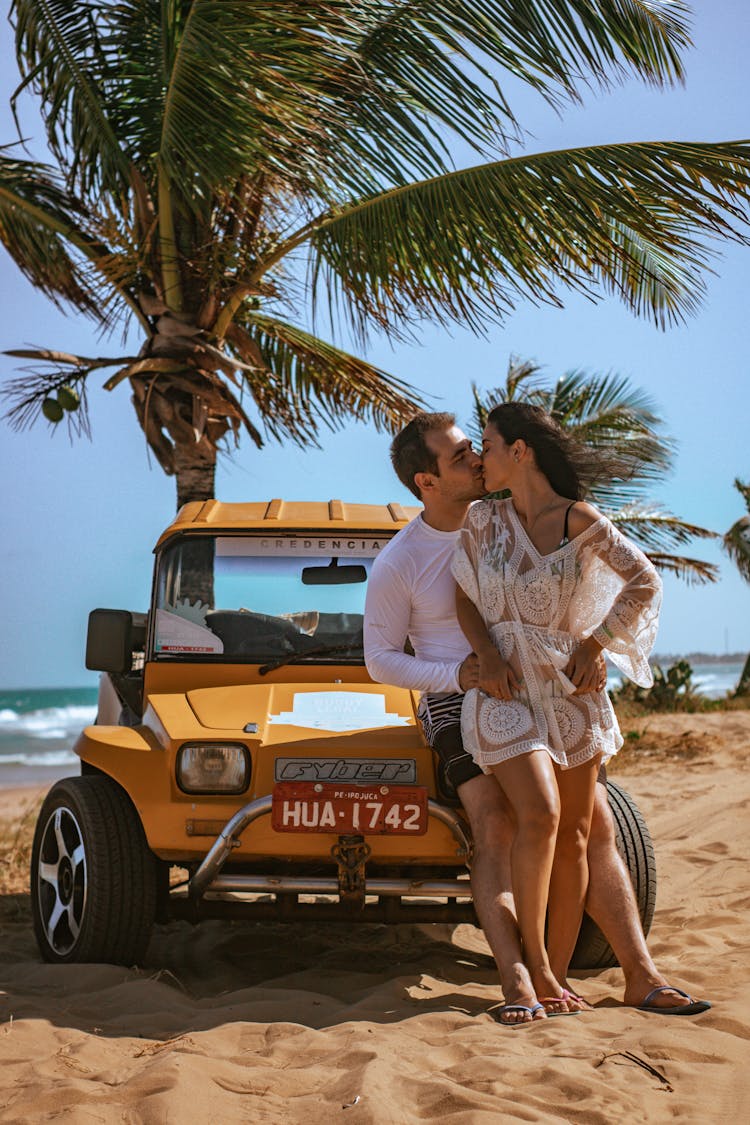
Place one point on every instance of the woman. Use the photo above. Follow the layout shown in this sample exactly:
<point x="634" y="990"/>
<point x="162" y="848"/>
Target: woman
<point x="544" y="583"/>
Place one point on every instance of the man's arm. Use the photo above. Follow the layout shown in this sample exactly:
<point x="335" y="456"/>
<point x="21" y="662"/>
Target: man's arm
<point x="387" y="613"/>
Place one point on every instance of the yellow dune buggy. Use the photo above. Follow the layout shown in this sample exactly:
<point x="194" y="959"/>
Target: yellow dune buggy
<point x="244" y="765"/>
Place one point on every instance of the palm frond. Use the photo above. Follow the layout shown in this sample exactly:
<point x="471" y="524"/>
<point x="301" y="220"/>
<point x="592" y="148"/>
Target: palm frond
<point x="298" y="90"/>
<point x="744" y="491"/>
<point x="467" y="246"/>
<point x="54" y="241"/>
<point x="655" y="529"/>
<point x="603" y="410"/>
<point x="61" y="52"/>
<point x="522" y="379"/>
<point x="548" y="44"/>
<point x="583" y="400"/>
<point x="286" y="95"/>
<point x="302" y="382"/>
<point x="481" y="407"/>
<point x="606" y="413"/>
<point x="37" y="226"/>
<point x="520" y="374"/>
<point x="736" y="543"/>
<point x="610" y="416"/>
<point x="49" y="371"/>
<point x="308" y="91"/>
<point x="658" y="533"/>
<point x="696" y="572"/>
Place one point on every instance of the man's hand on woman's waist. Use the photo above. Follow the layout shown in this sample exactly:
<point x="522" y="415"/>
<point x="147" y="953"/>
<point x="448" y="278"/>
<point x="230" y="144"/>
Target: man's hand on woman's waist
<point x="468" y="672"/>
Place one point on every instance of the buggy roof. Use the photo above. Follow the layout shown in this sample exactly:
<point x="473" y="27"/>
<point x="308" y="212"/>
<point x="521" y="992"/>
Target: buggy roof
<point x="277" y="515"/>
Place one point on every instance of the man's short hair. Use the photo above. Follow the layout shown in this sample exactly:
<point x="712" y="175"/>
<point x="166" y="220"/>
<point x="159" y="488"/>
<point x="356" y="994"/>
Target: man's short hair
<point x="409" y="451"/>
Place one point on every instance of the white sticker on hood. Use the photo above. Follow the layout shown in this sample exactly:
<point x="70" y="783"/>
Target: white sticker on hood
<point x="338" y="711"/>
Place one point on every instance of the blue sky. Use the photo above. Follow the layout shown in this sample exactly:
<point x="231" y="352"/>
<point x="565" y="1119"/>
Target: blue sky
<point x="80" y="520"/>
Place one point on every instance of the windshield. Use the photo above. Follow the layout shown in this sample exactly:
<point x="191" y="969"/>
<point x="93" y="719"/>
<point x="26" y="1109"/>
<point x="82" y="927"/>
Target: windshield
<point x="261" y="597"/>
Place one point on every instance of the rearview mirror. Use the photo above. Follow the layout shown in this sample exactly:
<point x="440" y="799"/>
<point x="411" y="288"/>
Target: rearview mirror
<point x="332" y="575"/>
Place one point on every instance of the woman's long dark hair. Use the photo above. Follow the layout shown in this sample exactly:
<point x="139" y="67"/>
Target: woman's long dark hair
<point x="570" y="468"/>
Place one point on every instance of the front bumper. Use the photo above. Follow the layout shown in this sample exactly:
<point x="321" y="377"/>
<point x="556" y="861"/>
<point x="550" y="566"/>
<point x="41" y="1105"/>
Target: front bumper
<point x="211" y="893"/>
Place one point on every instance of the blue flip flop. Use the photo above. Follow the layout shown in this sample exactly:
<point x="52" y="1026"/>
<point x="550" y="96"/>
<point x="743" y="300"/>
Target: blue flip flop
<point x="517" y="1008"/>
<point x="690" y="1009"/>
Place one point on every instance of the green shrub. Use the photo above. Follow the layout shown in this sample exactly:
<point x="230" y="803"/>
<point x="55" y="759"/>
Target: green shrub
<point x="672" y="690"/>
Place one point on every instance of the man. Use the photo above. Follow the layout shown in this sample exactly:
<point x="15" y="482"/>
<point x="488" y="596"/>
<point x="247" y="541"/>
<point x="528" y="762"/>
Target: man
<point x="411" y="596"/>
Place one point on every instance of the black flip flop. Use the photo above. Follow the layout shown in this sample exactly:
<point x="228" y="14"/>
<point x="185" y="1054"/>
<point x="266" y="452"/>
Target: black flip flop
<point x="690" y="1009"/>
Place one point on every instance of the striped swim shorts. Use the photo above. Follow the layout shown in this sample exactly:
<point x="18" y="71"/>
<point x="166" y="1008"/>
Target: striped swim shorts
<point x="440" y="715"/>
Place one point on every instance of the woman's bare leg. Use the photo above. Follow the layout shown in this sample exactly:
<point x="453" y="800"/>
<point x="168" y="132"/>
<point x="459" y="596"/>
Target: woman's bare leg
<point x="528" y="782"/>
<point x="570" y="872"/>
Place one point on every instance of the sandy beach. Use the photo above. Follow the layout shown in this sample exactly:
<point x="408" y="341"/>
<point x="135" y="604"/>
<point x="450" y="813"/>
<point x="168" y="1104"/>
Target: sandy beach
<point x="270" y="1023"/>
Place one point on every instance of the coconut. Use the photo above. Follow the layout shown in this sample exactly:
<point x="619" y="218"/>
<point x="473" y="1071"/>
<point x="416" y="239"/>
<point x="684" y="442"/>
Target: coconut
<point x="68" y="398"/>
<point x="52" y="410"/>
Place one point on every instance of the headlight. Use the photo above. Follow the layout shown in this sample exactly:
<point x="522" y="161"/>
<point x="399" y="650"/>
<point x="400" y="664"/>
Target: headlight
<point x="213" y="767"/>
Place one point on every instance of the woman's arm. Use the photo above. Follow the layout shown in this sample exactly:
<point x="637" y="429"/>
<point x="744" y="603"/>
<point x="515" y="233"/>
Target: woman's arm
<point x="496" y="677"/>
<point x="622" y="601"/>
<point x="585" y="668"/>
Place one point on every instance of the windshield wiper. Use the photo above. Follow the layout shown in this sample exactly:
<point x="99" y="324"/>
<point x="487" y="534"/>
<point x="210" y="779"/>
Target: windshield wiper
<point x="295" y="657"/>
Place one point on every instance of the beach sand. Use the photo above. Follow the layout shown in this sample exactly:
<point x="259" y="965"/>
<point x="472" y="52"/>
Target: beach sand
<point x="271" y="1023"/>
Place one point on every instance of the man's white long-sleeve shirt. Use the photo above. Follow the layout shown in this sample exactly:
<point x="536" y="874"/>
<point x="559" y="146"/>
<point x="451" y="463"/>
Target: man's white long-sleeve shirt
<point x="411" y="593"/>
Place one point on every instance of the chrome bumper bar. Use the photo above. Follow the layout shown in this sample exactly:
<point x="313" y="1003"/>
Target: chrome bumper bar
<point x="317" y="885"/>
<point x="206" y="877"/>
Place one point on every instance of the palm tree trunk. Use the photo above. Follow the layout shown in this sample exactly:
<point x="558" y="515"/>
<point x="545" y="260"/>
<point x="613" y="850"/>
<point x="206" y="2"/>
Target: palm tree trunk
<point x="743" y="687"/>
<point x="195" y="471"/>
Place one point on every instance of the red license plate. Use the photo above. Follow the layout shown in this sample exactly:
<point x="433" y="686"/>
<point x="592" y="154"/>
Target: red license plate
<point x="346" y="810"/>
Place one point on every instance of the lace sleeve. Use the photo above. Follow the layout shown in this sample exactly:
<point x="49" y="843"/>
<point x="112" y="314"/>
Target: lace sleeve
<point x="628" y="630"/>
<point x="464" y="564"/>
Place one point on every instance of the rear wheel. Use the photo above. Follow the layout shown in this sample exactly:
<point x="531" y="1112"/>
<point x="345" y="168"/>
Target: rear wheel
<point x="93" y="878"/>
<point x="634" y="844"/>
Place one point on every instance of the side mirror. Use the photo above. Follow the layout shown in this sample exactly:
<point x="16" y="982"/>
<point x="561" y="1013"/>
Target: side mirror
<point x="112" y="638"/>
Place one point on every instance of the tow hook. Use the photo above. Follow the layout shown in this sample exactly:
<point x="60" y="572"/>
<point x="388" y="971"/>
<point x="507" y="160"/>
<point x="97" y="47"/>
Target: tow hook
<point x="351" y="854"/>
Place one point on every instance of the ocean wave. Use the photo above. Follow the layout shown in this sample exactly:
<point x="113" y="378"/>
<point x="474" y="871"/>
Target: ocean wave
<point x="51" y="722"/>
<point x="51" y="758"/>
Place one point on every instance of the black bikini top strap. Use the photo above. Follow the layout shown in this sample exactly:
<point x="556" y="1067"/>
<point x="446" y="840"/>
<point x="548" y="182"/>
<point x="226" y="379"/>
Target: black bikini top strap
<point x="565" y="525"/>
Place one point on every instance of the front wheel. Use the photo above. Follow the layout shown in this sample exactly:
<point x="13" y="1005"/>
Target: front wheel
<point x="634" y="844"/>
<point x="93" y="878"/>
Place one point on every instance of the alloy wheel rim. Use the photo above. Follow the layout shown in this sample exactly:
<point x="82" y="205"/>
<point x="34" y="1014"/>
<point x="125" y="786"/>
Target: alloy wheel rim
<point x="61" y="881"/>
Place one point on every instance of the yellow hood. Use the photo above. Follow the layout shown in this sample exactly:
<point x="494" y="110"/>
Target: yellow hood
<point x="368" y="715"/>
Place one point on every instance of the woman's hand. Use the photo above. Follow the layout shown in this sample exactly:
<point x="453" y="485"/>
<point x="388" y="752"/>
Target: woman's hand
<point x="586" y="669"/>
<point x="496" y="677"/>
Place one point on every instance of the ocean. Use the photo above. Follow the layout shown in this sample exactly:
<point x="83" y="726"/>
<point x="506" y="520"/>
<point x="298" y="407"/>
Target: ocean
<point x="38" y="726"/>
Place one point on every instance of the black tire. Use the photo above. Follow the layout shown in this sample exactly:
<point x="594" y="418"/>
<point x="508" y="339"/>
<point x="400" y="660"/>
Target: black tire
<point x="634" y="844"/>
<point x="93" y="877"/>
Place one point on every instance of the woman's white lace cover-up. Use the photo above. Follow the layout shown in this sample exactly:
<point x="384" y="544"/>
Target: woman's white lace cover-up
<point x="537" y="609"/>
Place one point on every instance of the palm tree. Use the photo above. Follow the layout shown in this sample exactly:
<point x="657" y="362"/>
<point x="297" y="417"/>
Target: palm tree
<point x="219" y="165"/>
<point x="607" y="413"/>
<point x="736" y="543"/>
